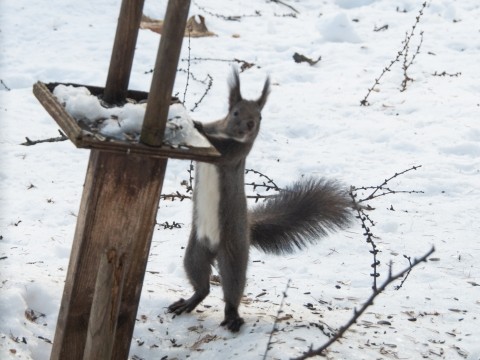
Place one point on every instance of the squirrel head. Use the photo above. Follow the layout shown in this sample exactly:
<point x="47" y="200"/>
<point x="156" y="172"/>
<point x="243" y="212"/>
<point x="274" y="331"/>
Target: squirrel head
<point x="244" y="116"/>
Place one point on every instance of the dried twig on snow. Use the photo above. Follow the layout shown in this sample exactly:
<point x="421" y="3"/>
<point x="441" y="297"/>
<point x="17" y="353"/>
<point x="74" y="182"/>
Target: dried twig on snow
<point x="244" y="65"/>
<point x="378" y="191"/>
<point x="29" y="142"/>
<point x="398" y="287"/>
<point x="5" y="85"/>
<point x="277" y="317"/>
<point x="357" y="313"/>
<point x="369" y="236"/>
<point x="382" y="190"/>
<point x="444" y="73"/>
<point x="227" y="17"/>
<point x="285" y="4"/>
<point x="407" y="64"/>
<point x="267" y="185"/>
<point x="406" y="43"/>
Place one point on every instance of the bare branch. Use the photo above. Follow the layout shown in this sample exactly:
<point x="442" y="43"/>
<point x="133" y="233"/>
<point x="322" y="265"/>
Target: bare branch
<point x="244" y="65"/>
<point x="385" y="190"/>
<point x="285" y="4"/>
<point x="357" y="313"/>
<point x="406" y="43"/>
<point x="277" y="317"/>
<point x="5" y="85"/>
<point x="29" y="142"/>
<point x="227" y="17"/>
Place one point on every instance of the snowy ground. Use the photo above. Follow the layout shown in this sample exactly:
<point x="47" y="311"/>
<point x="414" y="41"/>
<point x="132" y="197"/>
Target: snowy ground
<point x="313" y="124"/>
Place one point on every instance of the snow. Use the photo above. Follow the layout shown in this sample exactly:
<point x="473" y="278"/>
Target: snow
<point x="116" y="122"/>
<point x="312" y="125"/>
<point x="338" y="28"/>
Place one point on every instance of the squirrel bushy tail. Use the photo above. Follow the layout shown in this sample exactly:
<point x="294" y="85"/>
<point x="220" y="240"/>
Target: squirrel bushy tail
<point x="300" y="214"/>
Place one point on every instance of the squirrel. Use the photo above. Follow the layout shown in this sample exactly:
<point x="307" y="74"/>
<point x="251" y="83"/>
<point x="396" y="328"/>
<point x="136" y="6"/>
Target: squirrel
<point x="223" y="228"/>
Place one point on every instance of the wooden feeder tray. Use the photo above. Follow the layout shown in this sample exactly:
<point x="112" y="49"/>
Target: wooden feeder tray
<point x="89" y="140"/>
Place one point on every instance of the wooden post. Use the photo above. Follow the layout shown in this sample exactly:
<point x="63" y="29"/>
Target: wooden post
<point x="120" y="200"/>
<point x="118" y="208"/>
<point x="165" y="72"/>
<point x="105" y="307"/>
<point x="123" y="51"/>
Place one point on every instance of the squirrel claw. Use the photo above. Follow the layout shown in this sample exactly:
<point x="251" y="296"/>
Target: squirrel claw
<point x="233" y="324"/>
<point x="178" y="307"/>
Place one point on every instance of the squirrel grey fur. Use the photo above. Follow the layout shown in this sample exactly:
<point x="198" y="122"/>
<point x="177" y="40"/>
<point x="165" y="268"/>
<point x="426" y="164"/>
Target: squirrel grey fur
<point x="223" y="228"/>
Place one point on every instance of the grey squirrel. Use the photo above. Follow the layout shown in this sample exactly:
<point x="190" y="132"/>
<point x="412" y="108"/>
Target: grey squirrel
<point x="223" y="228"/>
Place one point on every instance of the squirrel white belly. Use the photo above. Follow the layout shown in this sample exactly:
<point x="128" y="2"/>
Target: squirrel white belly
<point x="223" y="229"/>
<point x="206" y="205"/>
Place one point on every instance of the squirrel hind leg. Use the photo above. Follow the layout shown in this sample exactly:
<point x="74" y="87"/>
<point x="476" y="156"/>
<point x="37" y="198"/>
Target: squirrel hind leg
<point x="232" y="271"/>
<point x="232" y="320"/>
<point x="197" y="262"/>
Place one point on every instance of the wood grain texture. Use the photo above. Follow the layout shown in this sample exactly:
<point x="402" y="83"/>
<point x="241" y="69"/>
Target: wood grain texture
<point x="102" y="325"/>
<point x="66" y="122"/>
<point x="164" y="72"/>
<point x="118" y="209"/>
<point x="123" y="51"/>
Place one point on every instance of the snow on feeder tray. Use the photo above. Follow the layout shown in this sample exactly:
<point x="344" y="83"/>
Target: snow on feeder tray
<point x="90" y="123"/>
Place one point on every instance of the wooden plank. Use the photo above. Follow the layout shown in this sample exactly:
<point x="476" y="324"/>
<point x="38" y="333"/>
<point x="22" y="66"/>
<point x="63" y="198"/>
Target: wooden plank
<point x="66" y="122"/>
<point x="118" y="208"/>
<point x="164" y="72"/>
<point x="81" y="139"/>
<point x="210" y="155"/>
<point x="102" y="325"/>
<point x="123" y="51"/>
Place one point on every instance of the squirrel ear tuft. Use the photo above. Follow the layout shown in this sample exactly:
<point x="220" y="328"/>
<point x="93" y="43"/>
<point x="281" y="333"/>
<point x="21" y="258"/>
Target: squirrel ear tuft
<point x="263" y="98"/>
<point x="234" y="83"/>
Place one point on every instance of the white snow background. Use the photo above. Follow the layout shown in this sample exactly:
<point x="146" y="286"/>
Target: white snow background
<point x="312" y="125"/>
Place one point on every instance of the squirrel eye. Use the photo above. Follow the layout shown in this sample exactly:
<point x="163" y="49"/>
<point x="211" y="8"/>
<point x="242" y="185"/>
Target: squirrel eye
<point x="235" y="113"/>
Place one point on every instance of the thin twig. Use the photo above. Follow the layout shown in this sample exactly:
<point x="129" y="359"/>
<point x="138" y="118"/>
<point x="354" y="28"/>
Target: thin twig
<point x="207" y="89"/>
<point x="406" y="42"/>
<point x="285" y="4"/>
<point x="175" y="196"/>
<point x="369" y="237"/>
<point x="227" y="17"/>
<point x="406" y="64"/>
<point x="277" y="317"/>
<point x="29" y="142"/>
<point x="188" y="68"/>
<point x="357" y="313"/>
<point x="381" y="28"/>
<point x="5" y="85"/>
<point x="444" y="73"/>
<point x="270" y="183"/>
<point x="398" y="287"/>
<point x="259" y="197"/>
<point x="244" y="65"/>
<point x="166" y="225"/>
<point x="385" y="190"/>
<point x="190" y="171"/>
<point x="379" y="190"/>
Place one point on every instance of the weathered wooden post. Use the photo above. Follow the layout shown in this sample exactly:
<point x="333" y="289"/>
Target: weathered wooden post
<point x="123" y="51"/>
<point x="120" y="198"/>
<point x="107" y="297"/>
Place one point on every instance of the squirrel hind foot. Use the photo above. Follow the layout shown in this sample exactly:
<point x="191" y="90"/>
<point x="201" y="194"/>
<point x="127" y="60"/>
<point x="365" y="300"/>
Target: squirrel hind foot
<point x="233" y="324"/>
